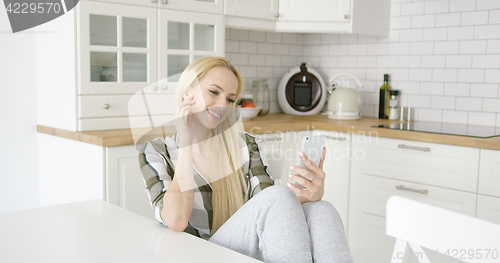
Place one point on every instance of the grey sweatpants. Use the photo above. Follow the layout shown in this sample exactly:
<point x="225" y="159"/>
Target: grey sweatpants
<point x="274" y="227"/>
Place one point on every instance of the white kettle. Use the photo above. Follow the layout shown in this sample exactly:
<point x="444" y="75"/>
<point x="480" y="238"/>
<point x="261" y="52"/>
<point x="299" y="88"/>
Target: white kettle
<point x="344" y="103"/>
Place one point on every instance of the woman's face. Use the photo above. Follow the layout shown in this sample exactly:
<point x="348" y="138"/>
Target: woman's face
<point x="215" y="96"/>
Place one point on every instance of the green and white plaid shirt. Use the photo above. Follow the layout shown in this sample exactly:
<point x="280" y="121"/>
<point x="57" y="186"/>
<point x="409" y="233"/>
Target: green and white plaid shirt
<point x="157" y="159"/>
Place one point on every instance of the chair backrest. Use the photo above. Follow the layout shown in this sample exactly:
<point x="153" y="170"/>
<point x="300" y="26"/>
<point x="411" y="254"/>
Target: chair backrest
<point x="417" y="224"/>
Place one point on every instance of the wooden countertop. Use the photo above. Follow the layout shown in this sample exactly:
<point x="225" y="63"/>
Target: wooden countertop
<point x="277" y="122"/>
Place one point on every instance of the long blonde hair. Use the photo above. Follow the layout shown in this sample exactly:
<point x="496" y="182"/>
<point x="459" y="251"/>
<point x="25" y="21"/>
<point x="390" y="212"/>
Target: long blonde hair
<point x="223" y="148"/>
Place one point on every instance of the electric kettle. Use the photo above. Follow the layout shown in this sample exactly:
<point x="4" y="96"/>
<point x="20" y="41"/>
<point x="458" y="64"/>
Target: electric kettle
<point x="344" y="103"/>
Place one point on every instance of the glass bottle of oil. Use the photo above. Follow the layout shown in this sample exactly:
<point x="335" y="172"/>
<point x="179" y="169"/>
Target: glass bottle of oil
<point x="383" y="106"/>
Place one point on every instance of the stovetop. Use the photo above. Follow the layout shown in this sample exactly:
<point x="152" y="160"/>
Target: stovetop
<point x="445" y="128"/>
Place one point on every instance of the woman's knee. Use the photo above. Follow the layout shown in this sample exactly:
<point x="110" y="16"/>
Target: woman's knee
<point x="280" y="192"/>
<point x="323" y="205"/>
<point x="323" y="208"/>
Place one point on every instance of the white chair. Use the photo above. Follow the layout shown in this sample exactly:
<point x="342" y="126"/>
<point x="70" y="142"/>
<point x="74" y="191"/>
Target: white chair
<point x="457" y="235"/>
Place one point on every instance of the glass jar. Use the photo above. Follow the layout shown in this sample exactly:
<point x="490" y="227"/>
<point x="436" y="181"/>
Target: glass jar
<point x="394" y="110"/>
<point x="260" y="91"/>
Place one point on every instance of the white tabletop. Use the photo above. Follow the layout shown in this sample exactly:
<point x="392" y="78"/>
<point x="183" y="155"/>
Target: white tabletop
<point x="96" y="231"/>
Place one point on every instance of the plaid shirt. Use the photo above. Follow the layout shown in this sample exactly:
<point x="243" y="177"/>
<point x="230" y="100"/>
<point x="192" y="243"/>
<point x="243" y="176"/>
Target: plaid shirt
<point x="157" y="159"/>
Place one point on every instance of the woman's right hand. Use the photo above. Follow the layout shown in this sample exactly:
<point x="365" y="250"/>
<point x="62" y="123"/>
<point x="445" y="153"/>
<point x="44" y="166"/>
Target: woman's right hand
<point x="183" y="119"/>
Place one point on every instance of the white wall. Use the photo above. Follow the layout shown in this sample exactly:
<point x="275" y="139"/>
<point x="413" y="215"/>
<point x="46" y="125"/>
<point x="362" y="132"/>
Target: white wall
<point x="18" y="140"/>
<point x="264" y="55"/>
<point x="444" y="55"/>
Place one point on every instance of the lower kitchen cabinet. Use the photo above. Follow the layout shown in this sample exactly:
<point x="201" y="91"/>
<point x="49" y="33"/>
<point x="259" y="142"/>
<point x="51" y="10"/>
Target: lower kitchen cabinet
<point x="489" y="173"/>
<point x="270" y="147"/>
<point x="72" y="171"/>
<point x="488" y="208"/>
<point x="125" y="186"/>
<point x="336" y="168"/>
<point x="437" y="174"/>
<point x="362" y="172"/>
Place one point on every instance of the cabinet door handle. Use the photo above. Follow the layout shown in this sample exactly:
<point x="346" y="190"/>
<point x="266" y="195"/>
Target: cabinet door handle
<point x="401" y="187"/>
<point x="404" y="146"/>
<point x="154" y="1"/>
<point x="268" y="140"/>
<point x="106" y="106"/>
<point x="334" y="138"/>
<point x="165" y="2"/>
<point x="277" y="15"/>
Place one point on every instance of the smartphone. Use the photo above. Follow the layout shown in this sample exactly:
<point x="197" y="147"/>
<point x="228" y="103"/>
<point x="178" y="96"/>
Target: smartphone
<point x="312" y="147"/>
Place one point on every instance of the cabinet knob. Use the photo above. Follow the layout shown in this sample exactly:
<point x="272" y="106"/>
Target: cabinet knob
<point x="346" y="16"/>
<point x="165" y="2"/>
<point x="106" y="106"/>
<point x="277" y="15"/>
<point x="154" y="88"/>
<point x="154" y="1"/>
<point x="164" y="87"/>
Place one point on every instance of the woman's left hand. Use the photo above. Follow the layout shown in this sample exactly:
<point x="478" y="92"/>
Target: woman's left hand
<point x="313" y="179"/>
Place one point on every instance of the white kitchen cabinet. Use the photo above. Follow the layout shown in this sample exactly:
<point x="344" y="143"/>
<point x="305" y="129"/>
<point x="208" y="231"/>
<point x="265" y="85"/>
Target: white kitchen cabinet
<point x="377" y="190"/>
<point x="183" y="38"/>
<point x="117" y="48"/>
<point x="124" y="183"/>
<point x="488" y="208"/>
<point x="489" y="173"/>
<point x="291" y="146"/>
<point x="280" y="150"/>
<point x="251" y="14"/>
<point x="270" y="147"/>
<point x="149" y="3"/>
<point x="111" y="52"/>
<point x="202" y="6"/>
<point x="314" y="10"/>
<point x="305" y="16"/>
<point x="422" y="162"/>
<point x="72" y="171"/>
<point x="336" y="168"/>
<point x="441" y="175"/>
<point x="376" y="246"/>
<point x="261" y="9"/>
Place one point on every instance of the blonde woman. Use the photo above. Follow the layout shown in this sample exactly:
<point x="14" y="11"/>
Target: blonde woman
<point x="209" y="179"/>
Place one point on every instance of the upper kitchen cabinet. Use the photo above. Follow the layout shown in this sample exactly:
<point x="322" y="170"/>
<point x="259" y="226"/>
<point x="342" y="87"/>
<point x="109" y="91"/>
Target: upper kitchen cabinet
<point x="251" y="14"/>
<point x="183" y="38"/>
<point x="105" y="65"/>
<point x="203" y="6"/>
<point x="117" y="48"/>
<point x="315" y="16"/>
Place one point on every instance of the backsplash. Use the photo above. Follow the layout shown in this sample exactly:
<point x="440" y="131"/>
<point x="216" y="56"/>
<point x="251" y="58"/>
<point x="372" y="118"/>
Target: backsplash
<point x="264" y="55"/>
<point x="444" y="56"/>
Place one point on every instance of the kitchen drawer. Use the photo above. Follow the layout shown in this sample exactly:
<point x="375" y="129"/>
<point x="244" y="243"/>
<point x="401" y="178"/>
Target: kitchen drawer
<point x="489" y="173"/>
<point x="125" y="105"/>
<point x="376" y="191"/>
<point x="112" y="123"/>
<point x="447" y="166"/>
<point x="488" y="208"/>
